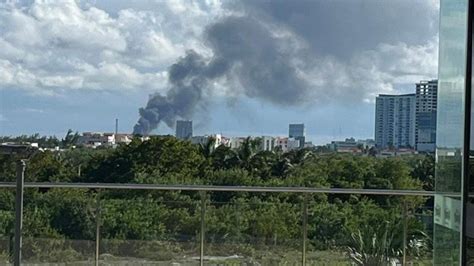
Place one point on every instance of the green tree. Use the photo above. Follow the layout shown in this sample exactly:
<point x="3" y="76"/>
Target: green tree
<point x="224" y="158"/>
<point x="46" y="166"/>
<point x="150" y="161"/>
<point x="247" y="152"/>
<point x="424" y="171"/>
<point x="70" y="139"/>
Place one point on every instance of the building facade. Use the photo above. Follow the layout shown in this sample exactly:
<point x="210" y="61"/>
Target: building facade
<point x="395" y="121"/>
<point x="426" y="106"/>
<point x="184" y="129"/>
<point x="235" y="142"/>
<point x="453" y="234"/>
<point x="203" y="140"/>
<point x="351" y="145"/>
<point x="297" y="132"/>
<point x="267" y="143"/>
<point x="287" y="144"/>
<point x="95" y="139"/>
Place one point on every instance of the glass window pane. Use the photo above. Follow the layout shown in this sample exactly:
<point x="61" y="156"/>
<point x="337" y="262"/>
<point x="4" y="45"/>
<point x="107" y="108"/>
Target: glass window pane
<point x="450" y="128"/>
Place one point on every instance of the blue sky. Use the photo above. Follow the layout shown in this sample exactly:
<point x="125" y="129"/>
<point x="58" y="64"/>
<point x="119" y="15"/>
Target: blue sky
<point x="28" y="114"/>
<point x="81" y="64"/>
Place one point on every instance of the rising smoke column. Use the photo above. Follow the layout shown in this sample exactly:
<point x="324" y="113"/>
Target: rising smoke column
<point x="186" y="88"/>
<point x="257" y="61"/>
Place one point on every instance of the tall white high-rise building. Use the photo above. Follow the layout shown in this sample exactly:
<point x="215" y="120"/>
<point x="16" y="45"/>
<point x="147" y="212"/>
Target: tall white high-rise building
<point x="426" y="106"/>
<point x="184" y="129"/>
<point x="395" y="121"/>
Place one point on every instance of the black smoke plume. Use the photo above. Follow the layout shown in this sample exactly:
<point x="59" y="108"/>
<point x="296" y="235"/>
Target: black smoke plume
<point x="187" y="83"/>
<point x="254" y="59"/>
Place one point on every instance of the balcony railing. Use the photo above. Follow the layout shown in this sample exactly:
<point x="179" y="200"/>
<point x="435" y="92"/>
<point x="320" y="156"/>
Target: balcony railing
<point x="207" y="225"/>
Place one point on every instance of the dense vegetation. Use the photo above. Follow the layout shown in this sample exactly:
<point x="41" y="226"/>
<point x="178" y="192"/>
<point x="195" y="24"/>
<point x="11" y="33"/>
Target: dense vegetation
<point x="44" y="141"/>
<point x="256" y="221"/>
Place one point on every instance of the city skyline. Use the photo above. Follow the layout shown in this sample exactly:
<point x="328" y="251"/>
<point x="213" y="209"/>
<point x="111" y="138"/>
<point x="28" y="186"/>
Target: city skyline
<point x="320" y="140"/>
<point x="53" y="80"/>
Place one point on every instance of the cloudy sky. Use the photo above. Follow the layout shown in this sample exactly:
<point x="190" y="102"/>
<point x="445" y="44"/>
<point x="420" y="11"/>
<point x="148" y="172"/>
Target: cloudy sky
<point x="234" y="67"/>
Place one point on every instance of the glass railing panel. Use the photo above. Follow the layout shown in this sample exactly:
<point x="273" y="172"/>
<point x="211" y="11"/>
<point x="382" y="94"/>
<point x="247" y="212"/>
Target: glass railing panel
<point x="421" y="252"/>
<point x="7" y="219"/>
<point x="38" y="250"/>
<point x="138" y="227"/>
<point x="58" y="226"/>
<point x="253" y="229"/>
<point x="5" y="244"/>
<point x="362" y="230"/>
<point x="141" y="227"/>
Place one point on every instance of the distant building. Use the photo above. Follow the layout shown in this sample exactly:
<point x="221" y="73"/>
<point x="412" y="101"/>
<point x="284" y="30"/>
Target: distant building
<point x="294" y="144"/>
<point x="281" y="143"/>
<point x="95" y="139"/>
<point x="203" y="140"/>
<point x="366" y="143"/>
<point x="348" y="145"/>
<point x="426" y="106"/>
<point x="309" y="144"/>
<point x="200" y="140"/>
<point x="297" y="131"/>
<point x="351" y="145"/>
<point x="287" y="144"/>
<point x="235" y="142"/>
<point x="123" y="138"/>
<point x="267" y="143"/>
<point x="396" y="153"/>
<point x="184" y="129"/>
<point x="395" y="121"/>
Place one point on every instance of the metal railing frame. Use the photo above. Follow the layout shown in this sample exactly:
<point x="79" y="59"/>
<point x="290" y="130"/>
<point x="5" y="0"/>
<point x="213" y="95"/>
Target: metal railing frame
<point x="202" y="189"/>
<point x="207" y="188"/>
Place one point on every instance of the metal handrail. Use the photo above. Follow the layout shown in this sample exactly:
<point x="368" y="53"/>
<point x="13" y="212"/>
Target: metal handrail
<point x="209" y="188"/>
<point x="203" y="189"/>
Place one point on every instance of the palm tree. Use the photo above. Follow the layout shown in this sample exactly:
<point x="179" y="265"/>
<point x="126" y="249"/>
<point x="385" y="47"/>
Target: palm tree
<point x="282" y="166"/>
<point x="247" y="152"/>
<point x="372" y="248"/>
<point x="299" y="156"/>
<point x="383" y="244"/>
<point x="70" y="139"/>
<point x="284" y="162"/>
<point x="207" y="148"/>
<point x="224" y="157"/>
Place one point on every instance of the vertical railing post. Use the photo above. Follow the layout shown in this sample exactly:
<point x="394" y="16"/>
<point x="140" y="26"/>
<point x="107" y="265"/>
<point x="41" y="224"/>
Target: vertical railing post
<point x="97" y="229"/>
<point x="203" y="216"/>
<point x="405" y="232"/>
<point x="305" y="230"/>
<point x="20" y="180"/>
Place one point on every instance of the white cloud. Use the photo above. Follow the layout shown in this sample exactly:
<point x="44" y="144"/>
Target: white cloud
<point x="119" y="75"/>
<point x="404" y="62"/>
<point x="48" y="47"/>
<point x="369" y="73"/>
<point x="379" y="70"/>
